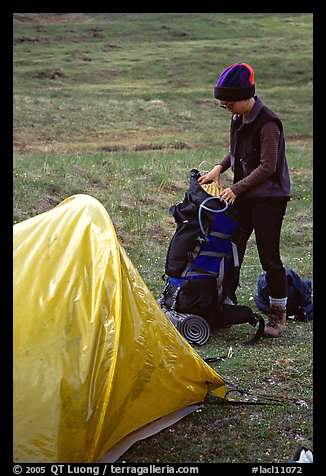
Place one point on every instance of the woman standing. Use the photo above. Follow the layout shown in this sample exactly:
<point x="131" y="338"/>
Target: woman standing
<point x="261" y="184"/>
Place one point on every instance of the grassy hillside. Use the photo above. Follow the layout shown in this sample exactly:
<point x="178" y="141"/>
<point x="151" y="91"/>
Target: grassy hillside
<point x="120" y="106"/>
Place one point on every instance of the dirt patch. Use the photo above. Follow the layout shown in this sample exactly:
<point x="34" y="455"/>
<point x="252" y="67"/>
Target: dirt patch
<point x="26" y="39"/>
<point x="300" y="139"/>
<point x="176" y="145"/>
<point x="157" y="233"/>
<point x="80" y="171"/>
<point x="56" y="74"/>
<point x="46" y="203"/>
<point x="48" y="18"/>
<point x="143" y="147"/>
<point x="112" y="148"/>
<point x="31" y="141"/>
<point x="110" y="47"/>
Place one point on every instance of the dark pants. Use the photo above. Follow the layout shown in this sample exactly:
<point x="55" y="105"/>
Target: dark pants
<point x="265" y="219"/>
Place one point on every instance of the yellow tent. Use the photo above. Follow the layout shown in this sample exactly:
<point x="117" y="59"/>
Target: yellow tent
<point x="95" y="358"/>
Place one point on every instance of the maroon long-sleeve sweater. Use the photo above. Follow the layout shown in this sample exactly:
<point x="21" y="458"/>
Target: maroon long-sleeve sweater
<point x="269" y="137"/>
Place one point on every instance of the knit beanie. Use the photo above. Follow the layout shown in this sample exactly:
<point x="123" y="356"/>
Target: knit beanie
<point x="237" y="82"/>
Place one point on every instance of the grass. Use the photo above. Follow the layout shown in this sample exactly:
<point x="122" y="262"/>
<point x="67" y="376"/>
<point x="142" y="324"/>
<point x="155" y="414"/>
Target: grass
<point x="233" y="434"/>
<point x="119" y="106"/>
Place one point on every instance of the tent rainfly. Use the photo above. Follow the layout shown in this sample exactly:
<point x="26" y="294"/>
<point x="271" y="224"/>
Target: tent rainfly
<point x="95" y="358"/>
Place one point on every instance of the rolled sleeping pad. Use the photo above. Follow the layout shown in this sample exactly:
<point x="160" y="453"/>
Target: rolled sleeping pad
<point x="195" y="329"/>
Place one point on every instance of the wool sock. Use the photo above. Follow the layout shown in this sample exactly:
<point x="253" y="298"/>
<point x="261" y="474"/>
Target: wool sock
<point x="278" y="302"/>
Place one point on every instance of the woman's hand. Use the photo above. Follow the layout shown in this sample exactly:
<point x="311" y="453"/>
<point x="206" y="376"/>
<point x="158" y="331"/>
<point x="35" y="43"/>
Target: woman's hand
<point x="228" y="195"/>
<point x="212" y="176"/>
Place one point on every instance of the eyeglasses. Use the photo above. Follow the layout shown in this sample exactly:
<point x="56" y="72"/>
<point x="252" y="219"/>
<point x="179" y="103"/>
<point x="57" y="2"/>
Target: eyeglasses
<point x="228" y="106"/>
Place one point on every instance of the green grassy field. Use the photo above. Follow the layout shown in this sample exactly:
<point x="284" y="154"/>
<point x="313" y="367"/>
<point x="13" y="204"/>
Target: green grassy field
<point x="120" y="106"/>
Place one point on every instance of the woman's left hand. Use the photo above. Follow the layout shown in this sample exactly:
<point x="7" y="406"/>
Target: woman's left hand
<point x="228" y="195"/>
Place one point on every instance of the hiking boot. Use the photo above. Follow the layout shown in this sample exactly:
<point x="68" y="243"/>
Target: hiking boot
<point x="276" y="321"/>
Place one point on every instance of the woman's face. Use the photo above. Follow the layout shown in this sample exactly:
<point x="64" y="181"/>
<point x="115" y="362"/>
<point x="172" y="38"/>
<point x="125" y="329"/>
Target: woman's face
<point x="236" y="107"/>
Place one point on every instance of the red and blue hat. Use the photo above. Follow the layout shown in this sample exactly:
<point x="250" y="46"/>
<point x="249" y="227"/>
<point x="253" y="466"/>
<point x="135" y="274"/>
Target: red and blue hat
<point x="236" y="83"/>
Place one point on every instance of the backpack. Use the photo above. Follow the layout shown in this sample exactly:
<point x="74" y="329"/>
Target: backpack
<point x="299" y="305"/>
<point x="201" y="247"/>
<point x="199" y="256"/>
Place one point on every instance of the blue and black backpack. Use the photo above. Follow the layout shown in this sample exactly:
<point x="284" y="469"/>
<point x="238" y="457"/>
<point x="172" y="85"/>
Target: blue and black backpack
<point x="299" y="304"/>
<point x="200" y="254"/>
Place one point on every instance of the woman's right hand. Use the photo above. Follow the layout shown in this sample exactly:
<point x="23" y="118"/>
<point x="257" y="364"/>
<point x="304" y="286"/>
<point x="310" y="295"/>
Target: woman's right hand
<point x="213" y="175"/>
